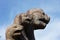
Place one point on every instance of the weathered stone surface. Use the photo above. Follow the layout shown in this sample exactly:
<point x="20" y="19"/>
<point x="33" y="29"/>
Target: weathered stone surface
<point x="24" y="25"/>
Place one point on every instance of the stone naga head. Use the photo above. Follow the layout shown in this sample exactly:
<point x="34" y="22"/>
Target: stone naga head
<point x="14" y="31"/>
<point x="22" y="18"/>
<point x="39" y="18"/>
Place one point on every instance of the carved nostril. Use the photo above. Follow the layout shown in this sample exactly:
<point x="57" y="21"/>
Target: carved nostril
<point x="28" y="20"/>
<point x="15" y="26"/>
<point x="48" y="18"/>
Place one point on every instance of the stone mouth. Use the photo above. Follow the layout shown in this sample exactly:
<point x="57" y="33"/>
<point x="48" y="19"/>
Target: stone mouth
<point x="39" y="26"/>
<point x="44" y="21"/>
<point x="17" y="32"/>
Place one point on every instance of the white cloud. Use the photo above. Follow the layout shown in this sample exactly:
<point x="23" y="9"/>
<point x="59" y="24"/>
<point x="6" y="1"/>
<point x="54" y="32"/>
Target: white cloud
<point x="3" y="30"/>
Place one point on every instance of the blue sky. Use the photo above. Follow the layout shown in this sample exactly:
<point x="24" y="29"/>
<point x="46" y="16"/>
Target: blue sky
<point x="10" y="8"/>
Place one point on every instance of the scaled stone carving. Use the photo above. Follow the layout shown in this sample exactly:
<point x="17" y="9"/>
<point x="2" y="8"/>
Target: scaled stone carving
<point x="24" y="25"/>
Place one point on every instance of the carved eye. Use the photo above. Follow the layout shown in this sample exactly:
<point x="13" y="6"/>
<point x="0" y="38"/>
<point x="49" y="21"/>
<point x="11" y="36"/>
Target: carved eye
<point x="15" y="27"/>
<point x="43" y="13"/>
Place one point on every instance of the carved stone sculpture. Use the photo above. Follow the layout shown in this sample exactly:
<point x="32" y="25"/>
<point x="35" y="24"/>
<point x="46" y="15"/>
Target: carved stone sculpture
<point x="24" y="25"/>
